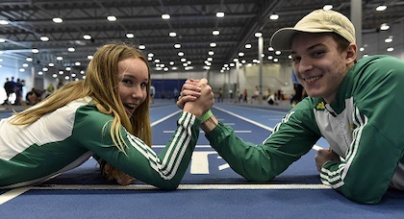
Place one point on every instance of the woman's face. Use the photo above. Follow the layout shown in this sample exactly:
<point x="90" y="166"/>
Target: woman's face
<point x="134" y="78"/>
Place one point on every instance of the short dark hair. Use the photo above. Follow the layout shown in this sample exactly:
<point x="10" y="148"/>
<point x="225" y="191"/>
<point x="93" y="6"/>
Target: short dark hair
<point x="342" y="43"/>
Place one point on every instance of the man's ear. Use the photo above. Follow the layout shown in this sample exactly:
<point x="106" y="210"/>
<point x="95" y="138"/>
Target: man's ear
<point x="352" y="53"/>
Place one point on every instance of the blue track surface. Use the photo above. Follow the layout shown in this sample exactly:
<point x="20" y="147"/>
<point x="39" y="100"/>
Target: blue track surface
<point x="210" y="189"/>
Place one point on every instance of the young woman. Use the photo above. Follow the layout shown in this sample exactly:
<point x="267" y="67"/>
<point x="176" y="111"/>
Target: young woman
<point x="106" y="116"/>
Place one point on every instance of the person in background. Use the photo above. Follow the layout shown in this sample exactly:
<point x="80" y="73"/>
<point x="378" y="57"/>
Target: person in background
<point x="8" y="87"/>
<point x="299" y="90"/>
<point x="105" y="116"/>
<point x="152" y="93"/>
<point x="352" y="104"/>
<point x="220" y="96"/>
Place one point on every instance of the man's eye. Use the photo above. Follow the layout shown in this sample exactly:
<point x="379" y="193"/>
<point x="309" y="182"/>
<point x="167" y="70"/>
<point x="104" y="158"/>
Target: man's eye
<point x="295" y="59"/>
<point x="318" y="53"/>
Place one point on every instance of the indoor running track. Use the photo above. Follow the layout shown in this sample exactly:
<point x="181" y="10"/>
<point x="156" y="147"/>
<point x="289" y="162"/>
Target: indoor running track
<point x="210" y="189"/>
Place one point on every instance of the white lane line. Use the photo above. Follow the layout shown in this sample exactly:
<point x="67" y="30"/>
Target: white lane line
<point x="165" y="118"/>
<point x="245" y="119"/>
<point x="7" y="196"/>
<point x="183" y="187"/>
<point x="315" y="147"/>
<point x="197" y="146"/>
<point x="235" y="131"/>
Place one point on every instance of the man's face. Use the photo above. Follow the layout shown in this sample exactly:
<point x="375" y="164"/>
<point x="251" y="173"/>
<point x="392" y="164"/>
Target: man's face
<point x="319" y="65"/>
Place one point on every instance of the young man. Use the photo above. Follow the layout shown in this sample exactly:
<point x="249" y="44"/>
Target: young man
<point x="352" y="104"/>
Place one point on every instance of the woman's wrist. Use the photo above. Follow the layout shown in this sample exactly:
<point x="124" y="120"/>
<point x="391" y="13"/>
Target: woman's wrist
<point x="206" y="116"/>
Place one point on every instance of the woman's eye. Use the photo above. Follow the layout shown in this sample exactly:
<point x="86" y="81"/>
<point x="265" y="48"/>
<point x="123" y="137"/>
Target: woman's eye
<point x="126" y="81"/>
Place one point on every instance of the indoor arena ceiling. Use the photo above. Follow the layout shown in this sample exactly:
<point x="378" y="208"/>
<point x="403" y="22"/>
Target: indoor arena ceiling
<point x="193" y="21"/>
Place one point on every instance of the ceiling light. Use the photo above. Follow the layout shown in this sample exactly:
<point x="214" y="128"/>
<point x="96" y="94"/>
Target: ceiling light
<point x="71" y="49"/>
<point x="247" y="46"/>
<point x="35" y="50"/>
<point x="57" y="20"/>
<point x="165" y="16"/>
<point x="215" y="32"/>
<point x="384" y="27"/>
<point x="274" y="17"/>
<point x="381" y="8"/>
<point x="130" y="35"/>
<point x="172" y="34"/>
<point x="212" y="44"/>
<point x="327" y="7"/>
<point x="177" y="45"/>
<point x="220" y="14"/>
<point x="258" y="34"/>
<point x="142" y="47"/>
<point x="3" y="22"/>
<point x="87" y="37"/>
<point x="2" y="40"/>
<point x="111" y="18"/>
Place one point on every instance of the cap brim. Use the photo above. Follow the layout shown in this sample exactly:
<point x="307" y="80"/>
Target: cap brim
<point x="282" y="39"/>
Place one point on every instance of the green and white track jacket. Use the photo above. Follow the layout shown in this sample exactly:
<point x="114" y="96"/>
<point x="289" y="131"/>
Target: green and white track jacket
<point x="67" y="137"/>
<point x="364" y="126"/>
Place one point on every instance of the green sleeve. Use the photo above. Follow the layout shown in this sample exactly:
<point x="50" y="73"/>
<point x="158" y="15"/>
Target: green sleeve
<point x="164" y="170"/>
<point x="291" y="139"/>
<point x="378" y="143"/>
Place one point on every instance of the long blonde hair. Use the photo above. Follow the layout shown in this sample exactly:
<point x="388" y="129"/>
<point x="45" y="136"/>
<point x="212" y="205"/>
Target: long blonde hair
<point x="101" y="84"/>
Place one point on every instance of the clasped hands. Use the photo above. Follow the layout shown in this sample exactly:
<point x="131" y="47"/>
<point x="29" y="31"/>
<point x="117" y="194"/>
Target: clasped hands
<point x="196" y="97"/>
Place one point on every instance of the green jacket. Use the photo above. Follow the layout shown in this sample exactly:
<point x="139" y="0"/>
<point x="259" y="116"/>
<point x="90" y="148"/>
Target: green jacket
<point x="69" y="136"/>
<point x="364" y="126"/>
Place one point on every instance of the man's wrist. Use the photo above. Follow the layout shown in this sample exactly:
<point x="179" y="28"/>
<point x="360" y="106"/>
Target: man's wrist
<point x="209" y="124"/>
